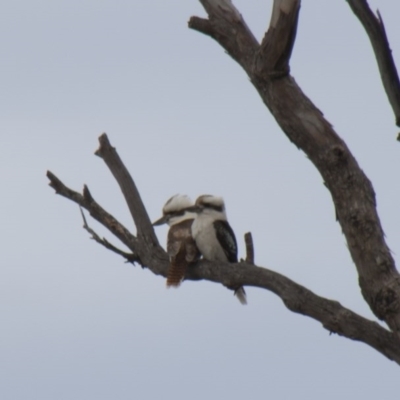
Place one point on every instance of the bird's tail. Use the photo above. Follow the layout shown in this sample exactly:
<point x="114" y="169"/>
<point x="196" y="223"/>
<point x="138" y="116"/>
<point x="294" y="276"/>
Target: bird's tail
<point x="241" y="295"/>
<point x="176" y="272"/>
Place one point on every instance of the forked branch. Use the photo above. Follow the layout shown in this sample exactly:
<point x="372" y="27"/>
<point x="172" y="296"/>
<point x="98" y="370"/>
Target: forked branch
<point x="129" y="257"/>
<point x="86" y="201"/>
<point x="332" y="315"/>
<point x="352" y="193"/>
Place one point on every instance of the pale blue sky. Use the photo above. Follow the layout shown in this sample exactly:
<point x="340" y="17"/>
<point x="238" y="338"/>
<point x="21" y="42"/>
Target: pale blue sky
<point x="78" y="323"/>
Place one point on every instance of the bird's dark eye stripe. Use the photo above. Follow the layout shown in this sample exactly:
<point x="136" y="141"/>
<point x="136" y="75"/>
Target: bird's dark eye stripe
<point x="176" y="213"/>
<point x="216" y="208"/>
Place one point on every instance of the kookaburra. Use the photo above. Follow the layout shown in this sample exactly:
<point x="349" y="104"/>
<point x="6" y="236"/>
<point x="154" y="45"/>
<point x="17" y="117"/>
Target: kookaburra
<point x="181" y="247"/>
<point x="213" y="235"/>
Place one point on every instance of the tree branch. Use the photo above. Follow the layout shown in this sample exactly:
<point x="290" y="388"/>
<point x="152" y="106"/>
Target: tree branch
<point x="96" y="211"/>
<point x="129" y="257"/>
<point x="377" y="35"/>
<point x="273" y="57"/>
<point x="202" y="25"/>
<point x="305" y="126"/>
<point x="129" y="190"/>
<point x="334" y="317"/>
<point x="248" y="240"/>
<point x="227" y="27"/>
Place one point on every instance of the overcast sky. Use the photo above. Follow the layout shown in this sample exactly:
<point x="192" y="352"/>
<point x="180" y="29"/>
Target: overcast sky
<point x="79" y="324"/>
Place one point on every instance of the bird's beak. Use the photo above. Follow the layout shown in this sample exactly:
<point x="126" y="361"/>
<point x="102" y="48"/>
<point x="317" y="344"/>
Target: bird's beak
<point x="161" y="221"/>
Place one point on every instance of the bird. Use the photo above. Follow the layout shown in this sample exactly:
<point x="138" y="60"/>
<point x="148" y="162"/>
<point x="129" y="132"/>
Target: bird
<point x="213" y="235"/>
<point x="181" y="247"/>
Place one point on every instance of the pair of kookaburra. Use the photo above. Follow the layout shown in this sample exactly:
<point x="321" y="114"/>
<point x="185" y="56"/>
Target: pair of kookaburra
<point x="197" y="229"/>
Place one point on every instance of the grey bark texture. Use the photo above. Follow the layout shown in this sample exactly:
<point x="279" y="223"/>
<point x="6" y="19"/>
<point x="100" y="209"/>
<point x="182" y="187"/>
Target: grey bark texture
<point x="267" y="65"/>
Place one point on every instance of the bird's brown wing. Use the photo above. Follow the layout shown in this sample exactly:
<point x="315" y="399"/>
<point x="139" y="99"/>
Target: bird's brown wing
<point x="182" y="251"/>
<point x="177" y="268"/>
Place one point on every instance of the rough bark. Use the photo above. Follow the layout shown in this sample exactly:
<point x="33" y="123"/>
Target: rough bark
<point x="332" y="315"/>
<point x="267" y="65"/>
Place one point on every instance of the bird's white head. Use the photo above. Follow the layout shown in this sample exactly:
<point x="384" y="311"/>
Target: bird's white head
<point x="213" y="206"/>
<point x="176" y="210"/>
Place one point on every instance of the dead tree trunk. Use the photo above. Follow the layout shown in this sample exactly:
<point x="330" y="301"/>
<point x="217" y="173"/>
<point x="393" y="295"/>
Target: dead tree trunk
<point x="267" y="65"/>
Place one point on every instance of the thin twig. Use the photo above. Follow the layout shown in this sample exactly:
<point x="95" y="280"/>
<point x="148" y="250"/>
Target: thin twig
<point x="248" y="239"/>
<point x="130" y="257"/>
<point x="96" y="211"/>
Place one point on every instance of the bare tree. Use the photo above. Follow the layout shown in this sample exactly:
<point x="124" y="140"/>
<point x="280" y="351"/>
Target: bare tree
<point x="267" y="65"/>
